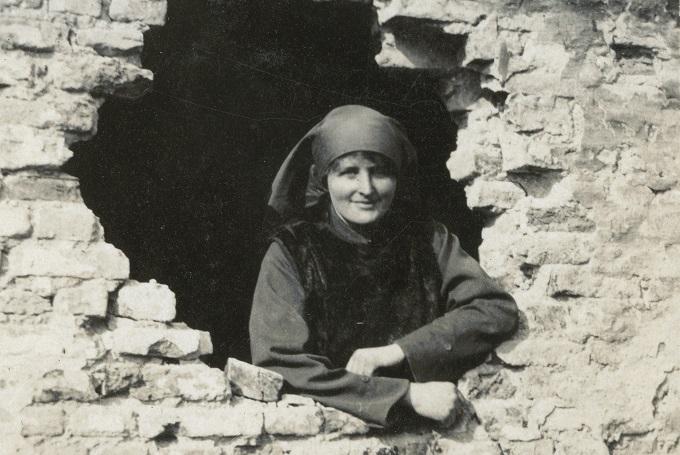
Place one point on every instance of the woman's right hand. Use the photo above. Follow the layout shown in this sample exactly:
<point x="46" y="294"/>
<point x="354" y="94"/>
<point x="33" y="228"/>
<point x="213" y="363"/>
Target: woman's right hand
<point x="435" y="400"/>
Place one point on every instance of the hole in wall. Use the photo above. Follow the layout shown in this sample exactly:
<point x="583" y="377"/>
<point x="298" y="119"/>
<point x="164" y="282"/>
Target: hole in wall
<point x="180" y="177"/>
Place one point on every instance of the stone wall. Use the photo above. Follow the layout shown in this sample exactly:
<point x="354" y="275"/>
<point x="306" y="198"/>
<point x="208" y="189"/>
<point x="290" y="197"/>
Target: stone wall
<point x="569" y="140"/>
<point x="92" y="361"/>
<point x="568" y="135"/>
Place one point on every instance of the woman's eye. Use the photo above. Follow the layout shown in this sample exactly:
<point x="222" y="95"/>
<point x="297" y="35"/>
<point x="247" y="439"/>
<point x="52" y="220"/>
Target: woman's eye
<point x="349" y="172"/>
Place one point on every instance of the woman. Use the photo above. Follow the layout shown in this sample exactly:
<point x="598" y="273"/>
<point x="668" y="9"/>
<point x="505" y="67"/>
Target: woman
<point x="364" y="303"/>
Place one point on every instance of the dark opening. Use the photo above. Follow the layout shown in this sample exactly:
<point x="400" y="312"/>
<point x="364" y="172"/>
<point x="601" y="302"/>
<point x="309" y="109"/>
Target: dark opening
<point x="180" y="177"/>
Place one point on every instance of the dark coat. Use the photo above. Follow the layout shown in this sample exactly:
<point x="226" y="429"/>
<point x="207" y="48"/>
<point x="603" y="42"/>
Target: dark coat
<point x="476" y="315"/>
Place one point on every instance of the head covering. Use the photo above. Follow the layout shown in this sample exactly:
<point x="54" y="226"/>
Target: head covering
<point x="346" y="129"/>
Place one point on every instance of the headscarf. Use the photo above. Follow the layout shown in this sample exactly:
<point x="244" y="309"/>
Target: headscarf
<point x="345" y="129"/>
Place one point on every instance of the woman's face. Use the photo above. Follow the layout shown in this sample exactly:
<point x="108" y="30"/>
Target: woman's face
<point x="362" y="186"/>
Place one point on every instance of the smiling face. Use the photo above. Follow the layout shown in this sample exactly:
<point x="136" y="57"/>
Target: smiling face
<point x="362" y="186"/>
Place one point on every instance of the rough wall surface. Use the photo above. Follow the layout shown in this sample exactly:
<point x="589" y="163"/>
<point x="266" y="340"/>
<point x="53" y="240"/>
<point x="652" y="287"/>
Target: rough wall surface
<point x="569" y="139"/>
<point x="91" y="362"/>
<point x="569" y="126"/>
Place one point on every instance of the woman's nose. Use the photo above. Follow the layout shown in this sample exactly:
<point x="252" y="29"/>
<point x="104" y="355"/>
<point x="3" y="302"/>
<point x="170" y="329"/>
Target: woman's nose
<point x="365" y="183"/>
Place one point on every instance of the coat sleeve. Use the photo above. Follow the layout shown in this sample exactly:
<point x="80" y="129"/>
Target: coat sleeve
<point x="279" y="341"/>
<point x="479" y="316"/>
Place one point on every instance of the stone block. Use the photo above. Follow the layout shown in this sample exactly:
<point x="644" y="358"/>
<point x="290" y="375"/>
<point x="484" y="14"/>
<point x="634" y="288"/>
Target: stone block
<point x="336" y="421"/>
<point x="115" y="378"/>
<point x="116" y="447"/>
<point x="113" y="39"/>
<point x="24" y="147"/>
<point x="145" y="301"/>
<point x="189" y="382"/>
<point x="448" y="446"/>
<point x="15" y="221"/>
<point x="15" y="67"/>
<point x="293" y="421"/>
<point x="493" y="196"/>
<point x="200" y="421"/>
<point x="253" y="382"/>
<point x="100" y="75"/>
<point x="540" y="447"/>
<point x="568" y="217"/>
<point x="16" y="301"/>
<point x="573" y="281"/>
<point x="32" y="186"/>
<point x="65" y="221"/>
<point x="244" y="420"/>
<point x="89" y="299"/>
<point x="25" y="37"/>
<point x="82" y="7"/>
<point x="45" y="286"/>
<point x="540" y="248"/>
<point x="150" y="12"/>
<point x="65" y="384"/>
<point x="175" y="341"/>
<point x="534" y="155"/>
<point x="42" y="421"/>
<point x="101" y="420"/>
<point x="63" y="258"/>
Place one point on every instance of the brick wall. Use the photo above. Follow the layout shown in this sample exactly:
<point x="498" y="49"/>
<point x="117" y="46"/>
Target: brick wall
<point x="569" y="142"/>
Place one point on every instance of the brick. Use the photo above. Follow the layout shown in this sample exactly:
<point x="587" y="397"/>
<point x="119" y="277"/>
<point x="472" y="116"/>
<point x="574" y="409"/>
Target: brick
<point x="25" y="147"/>
<point x="189" y="382"/>
<point x="88" y="299"/>
<point x="15" y="221"/>
<point x="171" y="341"/>
<point x="63" y="258"/>
<point x="99" y="420"/>
<point x="113" y="39"/>
<point x="25" y="37"/>
<point x="15" y="301"/>
<point x="150" y="12"/>
<point x="42" y="421"/>
<point x="493" y="196"/>
<point x="32" y="186"/>
<point x="203" y="421"/>
<point x="145" y="301"/>
<point x="64" y="221"/>
<point x="82" y="7"/>
<point x="289" y="420"/>
<point x="253" y="382"/>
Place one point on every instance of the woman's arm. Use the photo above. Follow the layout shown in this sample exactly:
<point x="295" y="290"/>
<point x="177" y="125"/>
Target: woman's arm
<point x="279" y="341"/>
<point x="480" y="315"/>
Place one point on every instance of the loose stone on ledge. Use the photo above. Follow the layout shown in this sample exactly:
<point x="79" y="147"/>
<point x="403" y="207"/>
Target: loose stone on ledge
<point x="253" y="382"/>
<point x="145" y="301"/>
<point x="175" y="341"/>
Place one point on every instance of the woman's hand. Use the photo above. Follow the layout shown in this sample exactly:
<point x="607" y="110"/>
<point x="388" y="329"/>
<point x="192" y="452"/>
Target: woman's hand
<point x="365" y="361"/>
<point x="435" y="400"/>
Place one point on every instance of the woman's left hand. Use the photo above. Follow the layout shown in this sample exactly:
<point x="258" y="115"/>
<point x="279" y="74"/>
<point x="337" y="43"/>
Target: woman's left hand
<point x="366" y="360"/>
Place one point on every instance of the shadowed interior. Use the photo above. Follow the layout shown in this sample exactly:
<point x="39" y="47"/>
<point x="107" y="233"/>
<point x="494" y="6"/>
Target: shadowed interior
<point x="180" y="177"/>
